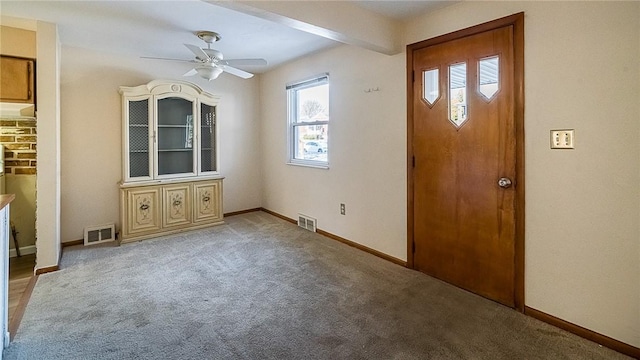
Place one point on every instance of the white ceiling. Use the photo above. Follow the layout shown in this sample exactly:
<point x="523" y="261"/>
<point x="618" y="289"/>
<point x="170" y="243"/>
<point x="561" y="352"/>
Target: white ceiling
<point x="140" y="28"/>
<point x="402" y="10"/>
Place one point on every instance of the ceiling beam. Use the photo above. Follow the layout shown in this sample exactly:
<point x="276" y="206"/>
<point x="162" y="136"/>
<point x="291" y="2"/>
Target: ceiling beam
<point x="336" y="20"/>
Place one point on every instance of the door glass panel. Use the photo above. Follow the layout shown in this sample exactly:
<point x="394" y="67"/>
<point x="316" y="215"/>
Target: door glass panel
<point x="489" y="76"/>
<point x="431" y="86"/>
<point x="207" y="138"/>
<point x="139" y="138"/>
<point x="175" y="136"/>
<point x="458" y="94"/>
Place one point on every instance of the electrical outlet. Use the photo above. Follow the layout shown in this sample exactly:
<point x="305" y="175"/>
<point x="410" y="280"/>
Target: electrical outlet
<point x="562" y="139"/>
<point x="343" y="210"/>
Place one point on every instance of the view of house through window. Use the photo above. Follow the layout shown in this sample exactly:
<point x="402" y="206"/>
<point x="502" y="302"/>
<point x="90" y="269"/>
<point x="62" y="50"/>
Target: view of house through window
<point x="309" y="121"/>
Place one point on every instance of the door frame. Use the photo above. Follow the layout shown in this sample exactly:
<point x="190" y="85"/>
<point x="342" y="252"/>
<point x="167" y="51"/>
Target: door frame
<point x="517" y="21"/>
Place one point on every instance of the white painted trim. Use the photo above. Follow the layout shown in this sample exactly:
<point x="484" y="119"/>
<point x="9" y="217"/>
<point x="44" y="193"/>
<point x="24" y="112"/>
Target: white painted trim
<point x="25" y="250"/>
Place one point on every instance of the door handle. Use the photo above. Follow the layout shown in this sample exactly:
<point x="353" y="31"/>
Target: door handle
<point x="504" y="182"/>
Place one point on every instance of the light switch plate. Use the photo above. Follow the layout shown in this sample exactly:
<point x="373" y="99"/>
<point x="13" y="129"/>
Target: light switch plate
<point x="562" y="139"/>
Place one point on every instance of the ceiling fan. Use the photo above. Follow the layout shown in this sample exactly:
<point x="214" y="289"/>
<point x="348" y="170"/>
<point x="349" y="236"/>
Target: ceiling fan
<point x="210" y="63"/>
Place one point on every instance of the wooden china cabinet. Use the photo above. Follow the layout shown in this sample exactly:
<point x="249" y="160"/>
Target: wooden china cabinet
<point x="170" y="176"/>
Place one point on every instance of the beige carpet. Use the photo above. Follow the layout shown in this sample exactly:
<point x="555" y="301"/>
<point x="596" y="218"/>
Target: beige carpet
<point x="261" y="288"/>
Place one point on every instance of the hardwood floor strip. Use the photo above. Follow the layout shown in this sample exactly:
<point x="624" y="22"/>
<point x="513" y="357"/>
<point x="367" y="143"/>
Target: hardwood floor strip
<point x="345" y="241"/>
<point x="14" y="322"/>
<point x="603" y="340"/>
<point x="21" y="267"/>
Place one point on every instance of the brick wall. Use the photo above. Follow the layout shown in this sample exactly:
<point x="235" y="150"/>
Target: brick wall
<point x="19" y="139"/>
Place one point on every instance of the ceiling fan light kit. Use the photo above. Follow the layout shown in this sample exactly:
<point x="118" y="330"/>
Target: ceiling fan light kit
<point x="210" y="62"/>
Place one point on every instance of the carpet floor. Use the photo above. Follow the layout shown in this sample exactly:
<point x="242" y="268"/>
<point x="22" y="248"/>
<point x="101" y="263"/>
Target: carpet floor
<point x="259" y="287"/>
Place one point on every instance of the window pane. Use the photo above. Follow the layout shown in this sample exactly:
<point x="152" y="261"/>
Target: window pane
<point x="310" y="142"/>
<point x="430" y="83"/>
<point x="207" y="138"/>
<point x="139" y="138"/>
<point x="313" y="104"/>
<point x="309" y="121"/>
<point x="488" y="76"/>
<point x="458" y="94"/>
<point x="175" y="136"/>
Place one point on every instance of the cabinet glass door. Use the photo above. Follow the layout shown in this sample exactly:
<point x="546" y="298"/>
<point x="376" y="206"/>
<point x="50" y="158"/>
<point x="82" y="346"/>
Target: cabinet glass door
<point x="139" y="139"/>
<point x="175" y="136"/>
<point x="208" y="156"/>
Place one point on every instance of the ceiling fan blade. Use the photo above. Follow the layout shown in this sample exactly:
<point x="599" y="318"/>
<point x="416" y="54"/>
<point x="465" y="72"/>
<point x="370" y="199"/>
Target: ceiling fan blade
<point x="246" y="62"/>
<point x="190" y="72"/>
<point x="200" y="54"/>
<point x="237" y="72"/>
<point x="167" y="59"/>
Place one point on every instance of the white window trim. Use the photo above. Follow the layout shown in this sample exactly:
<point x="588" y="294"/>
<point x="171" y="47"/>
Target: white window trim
<point x="291" y="110"/>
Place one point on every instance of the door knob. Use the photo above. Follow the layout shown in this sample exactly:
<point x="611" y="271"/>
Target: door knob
<point x="504" y="182"/>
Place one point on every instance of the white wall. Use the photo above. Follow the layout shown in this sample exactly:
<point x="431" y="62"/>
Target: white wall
<point x="92" y="140"/>
<point x="367" y="149"/>
<point x="48" y="157"/>
<point x="582" y="71"/>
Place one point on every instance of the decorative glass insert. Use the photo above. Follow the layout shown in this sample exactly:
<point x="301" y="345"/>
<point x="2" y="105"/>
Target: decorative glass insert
<point x="458" y="94"/>
<point x="208" y="138"/>
<point x="489" y="76"/>
<point x="175" y="136"/>
<point x="139" y="138"/>
<point x="430" y="86"/>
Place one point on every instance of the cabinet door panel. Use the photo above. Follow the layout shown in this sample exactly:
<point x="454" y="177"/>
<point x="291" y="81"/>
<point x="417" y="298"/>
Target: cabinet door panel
<point x="138" y="145"/>
<point x="207" y="202"/>
<point x="176" y="205"/>
<point x="16" y="80"/>
<point x="175" y="131"/>
<point x="143" y="208"/>
<point x="208" y="136"/>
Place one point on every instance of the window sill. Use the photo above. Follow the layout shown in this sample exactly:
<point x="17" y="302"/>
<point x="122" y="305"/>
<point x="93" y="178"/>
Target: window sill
<point x="315" y="164"/>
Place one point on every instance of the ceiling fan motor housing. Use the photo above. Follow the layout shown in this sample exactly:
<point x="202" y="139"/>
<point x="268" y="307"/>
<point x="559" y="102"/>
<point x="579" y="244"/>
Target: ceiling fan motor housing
<point x="214" y="54"/>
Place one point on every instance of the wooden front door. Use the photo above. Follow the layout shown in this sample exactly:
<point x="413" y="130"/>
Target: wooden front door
<point x="465" y="169"/>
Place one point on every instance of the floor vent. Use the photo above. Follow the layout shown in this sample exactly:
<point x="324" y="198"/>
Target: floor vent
<point x="99" y="234"/>
<point x="307" y="222"/>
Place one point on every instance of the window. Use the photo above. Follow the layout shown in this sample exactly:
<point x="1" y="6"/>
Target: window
<point x="458" y="94"/>
<point x="309" y="121"/>
<point x="431" y="86"/>
<point x="489" y="76"/>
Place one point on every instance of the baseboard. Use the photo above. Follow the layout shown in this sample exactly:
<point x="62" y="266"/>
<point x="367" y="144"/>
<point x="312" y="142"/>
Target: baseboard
<point x="279" y="216"/>
<point x="72" y="243"/>
<point x="241" y="212"/>
<point x="14" y="324"/>
<point x="25" y="250"/>
<point x="344" y="241"/>
<point x="603" y="340"/>
<point x="47" y="269"/>
<point x="375" y="252"/>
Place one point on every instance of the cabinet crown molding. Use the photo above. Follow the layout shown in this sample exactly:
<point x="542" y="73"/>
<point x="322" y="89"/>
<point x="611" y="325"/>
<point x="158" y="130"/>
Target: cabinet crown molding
<point x="157" y="87"/>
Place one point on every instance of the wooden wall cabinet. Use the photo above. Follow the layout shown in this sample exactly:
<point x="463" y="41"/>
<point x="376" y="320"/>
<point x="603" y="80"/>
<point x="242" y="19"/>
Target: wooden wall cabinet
<point x="17" y="80"/>
<point x="171" y="181"/>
